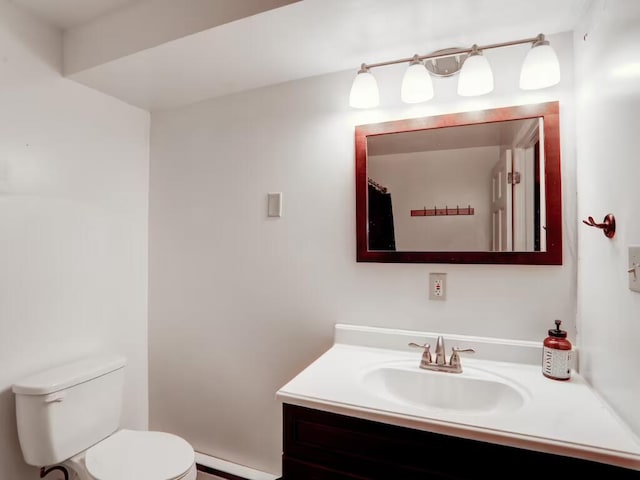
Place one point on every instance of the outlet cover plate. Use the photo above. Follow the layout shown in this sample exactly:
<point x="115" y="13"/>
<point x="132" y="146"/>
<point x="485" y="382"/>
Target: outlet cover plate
<point x="437" y="286"/>
<point x="634" y="267"/>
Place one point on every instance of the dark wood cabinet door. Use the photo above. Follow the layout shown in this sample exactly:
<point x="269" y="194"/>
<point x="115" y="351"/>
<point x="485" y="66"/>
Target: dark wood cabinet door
<point x="320" y="445"/>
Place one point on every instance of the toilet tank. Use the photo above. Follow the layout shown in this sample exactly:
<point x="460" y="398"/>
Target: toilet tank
<point x="66" y="409"/>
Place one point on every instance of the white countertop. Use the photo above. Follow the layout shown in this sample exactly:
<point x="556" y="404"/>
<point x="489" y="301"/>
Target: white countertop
<point x="561" y="417"/>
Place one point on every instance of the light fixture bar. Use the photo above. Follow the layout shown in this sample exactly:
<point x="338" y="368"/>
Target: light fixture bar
<point x="453" y="53"/>
<point x="540" y="69"/>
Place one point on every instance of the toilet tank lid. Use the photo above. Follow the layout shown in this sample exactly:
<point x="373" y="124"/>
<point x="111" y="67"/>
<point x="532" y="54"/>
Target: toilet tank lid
<point x="69" y="374"/>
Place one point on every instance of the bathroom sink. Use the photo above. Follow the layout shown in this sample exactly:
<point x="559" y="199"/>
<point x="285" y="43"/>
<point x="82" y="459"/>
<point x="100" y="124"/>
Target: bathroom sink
<point x="473" y="391"/>
<point x="500" y="396"/>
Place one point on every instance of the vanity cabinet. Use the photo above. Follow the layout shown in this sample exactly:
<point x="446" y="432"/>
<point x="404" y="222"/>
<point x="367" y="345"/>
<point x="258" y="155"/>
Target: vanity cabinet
<point x="319" y="445"/>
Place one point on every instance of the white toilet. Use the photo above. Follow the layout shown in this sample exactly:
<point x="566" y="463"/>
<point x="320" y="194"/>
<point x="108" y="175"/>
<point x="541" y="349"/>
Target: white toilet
<point x="69" y="416"/>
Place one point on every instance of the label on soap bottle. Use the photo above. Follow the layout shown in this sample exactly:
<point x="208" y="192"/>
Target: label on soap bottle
<point x="556" y="363"/>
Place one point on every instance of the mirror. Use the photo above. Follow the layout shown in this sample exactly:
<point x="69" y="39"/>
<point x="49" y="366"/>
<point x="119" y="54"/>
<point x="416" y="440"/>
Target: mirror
<point x="472" y="187"/>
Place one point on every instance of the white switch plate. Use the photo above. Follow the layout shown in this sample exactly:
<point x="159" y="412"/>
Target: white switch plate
<point x="274" y="208"/>
<point x="437" y="286"/>
<point x="634" y="265"/>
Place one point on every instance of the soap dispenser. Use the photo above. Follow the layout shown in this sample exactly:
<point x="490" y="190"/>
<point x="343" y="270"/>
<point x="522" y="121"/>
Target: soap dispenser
<point x="556" y="354"/>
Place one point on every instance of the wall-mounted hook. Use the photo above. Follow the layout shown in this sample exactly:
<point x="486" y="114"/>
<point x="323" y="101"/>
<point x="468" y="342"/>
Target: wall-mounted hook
<point x="608" y="225"/>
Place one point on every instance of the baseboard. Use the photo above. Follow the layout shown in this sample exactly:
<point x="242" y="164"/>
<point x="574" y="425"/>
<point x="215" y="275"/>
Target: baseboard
<point x="218" y="473"/>
<point x="228" y="470"/>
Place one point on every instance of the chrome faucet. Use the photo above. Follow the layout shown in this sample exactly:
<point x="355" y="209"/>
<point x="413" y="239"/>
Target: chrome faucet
<point x="440" y="364"/>
<point x="441" y="358"/>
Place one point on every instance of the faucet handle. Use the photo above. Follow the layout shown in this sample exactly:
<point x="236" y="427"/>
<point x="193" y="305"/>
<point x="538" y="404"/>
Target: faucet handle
<point x="454" y="361"/>
<point x="426" y="355"/>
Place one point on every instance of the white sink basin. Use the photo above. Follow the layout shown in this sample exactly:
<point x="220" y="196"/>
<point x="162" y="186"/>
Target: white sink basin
<point x="472" y="391"/>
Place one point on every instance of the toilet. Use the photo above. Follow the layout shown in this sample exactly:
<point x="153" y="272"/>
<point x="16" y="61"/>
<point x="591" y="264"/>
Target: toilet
<point x="69" y="417"/>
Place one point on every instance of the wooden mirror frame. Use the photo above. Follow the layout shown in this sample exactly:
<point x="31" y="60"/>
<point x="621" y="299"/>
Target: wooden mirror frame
<point x="553" y="192"/>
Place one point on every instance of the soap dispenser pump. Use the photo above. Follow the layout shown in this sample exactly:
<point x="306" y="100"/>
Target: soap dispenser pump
<point x="556" y="354"/>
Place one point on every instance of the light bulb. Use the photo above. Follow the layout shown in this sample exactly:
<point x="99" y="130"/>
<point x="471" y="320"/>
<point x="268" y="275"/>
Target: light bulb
<point x="476" y="77"/>
<point x="416" y="83"/>
<point x="364" y="90"/>
<point x="540" y="68"/>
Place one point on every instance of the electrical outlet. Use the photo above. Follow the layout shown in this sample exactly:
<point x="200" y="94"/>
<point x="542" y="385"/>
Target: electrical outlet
<point x="634" y="269"/>
<point x="437" y="286"/>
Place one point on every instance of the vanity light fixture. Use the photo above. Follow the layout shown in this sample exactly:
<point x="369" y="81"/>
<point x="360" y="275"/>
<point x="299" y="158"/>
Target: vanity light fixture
<point x="364" y="91"/>
<point x="416" y="84"/>
<point x="476" y="77"/>
<point x="540" y="69"/>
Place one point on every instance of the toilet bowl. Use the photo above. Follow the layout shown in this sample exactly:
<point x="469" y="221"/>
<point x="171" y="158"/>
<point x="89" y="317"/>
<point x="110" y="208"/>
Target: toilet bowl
<point x="69" y="416"/>
<point x="135" y="455"/>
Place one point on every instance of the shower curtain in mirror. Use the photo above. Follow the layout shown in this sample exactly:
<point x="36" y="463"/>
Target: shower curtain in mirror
<point x="381" y="233"/>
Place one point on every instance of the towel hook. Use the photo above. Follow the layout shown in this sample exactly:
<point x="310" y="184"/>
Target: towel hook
<point x="608" y="225"/>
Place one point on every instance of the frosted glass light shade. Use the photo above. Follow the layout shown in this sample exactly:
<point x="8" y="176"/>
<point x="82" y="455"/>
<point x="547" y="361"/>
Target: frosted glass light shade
<point x="476" y="77"/>
<point x="364" y="91"/>
<point x="540" y="68"/>
<point x="416" y="84"/>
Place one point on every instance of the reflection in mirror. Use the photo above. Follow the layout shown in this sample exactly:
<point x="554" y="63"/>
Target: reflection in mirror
<point x="482" y="182"/>
<point x="477" y="187"/>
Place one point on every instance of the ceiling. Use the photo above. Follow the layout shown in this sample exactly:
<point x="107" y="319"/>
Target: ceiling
<point x="299" y="40"/>
<point x="71" y="13"/>
<point x="449" y="138"/>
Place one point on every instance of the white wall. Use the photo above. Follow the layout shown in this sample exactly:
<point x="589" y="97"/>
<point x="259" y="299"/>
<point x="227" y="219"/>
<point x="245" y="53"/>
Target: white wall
<point x="73" y="224"/>
<point x="439" y="179"/>
<point x="608" y="94"/>
<point x="239" y="303"/>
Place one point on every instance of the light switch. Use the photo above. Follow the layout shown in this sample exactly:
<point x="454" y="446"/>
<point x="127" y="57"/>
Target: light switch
<point x="274" y="208"/>
<point x="634" y="268"/>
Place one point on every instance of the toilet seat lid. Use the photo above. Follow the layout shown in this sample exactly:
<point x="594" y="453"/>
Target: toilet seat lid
<point x="139" y="455"/>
